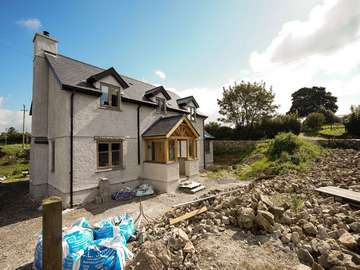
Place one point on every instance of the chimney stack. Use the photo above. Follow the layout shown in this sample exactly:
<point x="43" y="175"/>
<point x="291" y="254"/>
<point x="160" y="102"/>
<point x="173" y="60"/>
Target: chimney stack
<point x="43" y="42"/>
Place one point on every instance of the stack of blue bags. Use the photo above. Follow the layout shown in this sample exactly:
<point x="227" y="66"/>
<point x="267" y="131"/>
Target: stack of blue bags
<point x="86" y="247"/>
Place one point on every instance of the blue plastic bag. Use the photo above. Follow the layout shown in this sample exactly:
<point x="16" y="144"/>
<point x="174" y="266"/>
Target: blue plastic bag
<point x="74" y="240"/>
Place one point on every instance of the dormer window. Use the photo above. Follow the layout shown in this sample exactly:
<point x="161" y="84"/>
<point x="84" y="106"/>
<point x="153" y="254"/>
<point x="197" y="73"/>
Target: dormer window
<point x="161" y="105"/>
<point x="192" y="113"/>
<point x="110" y="96"/>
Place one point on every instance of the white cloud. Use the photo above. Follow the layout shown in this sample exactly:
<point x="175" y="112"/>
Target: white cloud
<point x="33" y="24"/>
<point x="322" y="50"/>
<point x="11" y="118"/>
<point x="161" y="74"/>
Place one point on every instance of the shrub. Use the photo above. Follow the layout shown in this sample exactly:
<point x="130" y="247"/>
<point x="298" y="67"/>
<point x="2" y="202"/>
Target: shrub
<point x="314" y="121"/>
<point x="352" y="121"/>
<point x="284" y="143"/>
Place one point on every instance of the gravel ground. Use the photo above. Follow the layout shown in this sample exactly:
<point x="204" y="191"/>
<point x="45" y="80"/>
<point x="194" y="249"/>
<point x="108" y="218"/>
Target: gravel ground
<point x="20" y="221"/>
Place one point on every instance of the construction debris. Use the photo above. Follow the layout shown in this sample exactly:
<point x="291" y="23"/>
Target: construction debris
<point x="187" y="215"/>
<point x="323" y="233"/>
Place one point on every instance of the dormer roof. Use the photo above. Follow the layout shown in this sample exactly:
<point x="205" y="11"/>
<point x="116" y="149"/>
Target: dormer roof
<point x="153" y="92"/>
<point x="108" y="72"/>
<point x="186" y="101"/>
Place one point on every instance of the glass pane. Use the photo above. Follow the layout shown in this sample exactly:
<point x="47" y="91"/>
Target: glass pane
<point x="191" y="149"/>
<point x="104" y="98"/>
<point x="152" y="151"/>
<point x="115" y="151"/>
<point x="103" y="147"/>
<point x="115" y="99"/>
<point x="103" y="154"/>
<point x="171" y="150"/>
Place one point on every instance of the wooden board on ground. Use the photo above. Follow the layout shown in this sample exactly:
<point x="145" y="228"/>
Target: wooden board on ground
<point x="188" y="215"/>
<point x="350" y="195"/>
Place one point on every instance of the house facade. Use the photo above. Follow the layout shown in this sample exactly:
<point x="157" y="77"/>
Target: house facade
<point x="91" y="124"/>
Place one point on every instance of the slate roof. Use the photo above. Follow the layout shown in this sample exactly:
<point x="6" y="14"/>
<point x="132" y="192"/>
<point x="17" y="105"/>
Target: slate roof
<point x="162" y="126"/>
<point x="73" y="74"/>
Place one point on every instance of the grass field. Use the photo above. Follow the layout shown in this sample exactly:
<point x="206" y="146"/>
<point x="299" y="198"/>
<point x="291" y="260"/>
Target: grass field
<point x="13" y="162"/>
<point x="332" y="130"/>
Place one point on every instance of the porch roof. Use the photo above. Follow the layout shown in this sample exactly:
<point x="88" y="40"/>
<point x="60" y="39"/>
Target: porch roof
<point x="165" y="126"/>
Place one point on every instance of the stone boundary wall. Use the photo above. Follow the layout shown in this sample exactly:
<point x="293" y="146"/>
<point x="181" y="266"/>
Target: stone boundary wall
<point x="340" y="143"/>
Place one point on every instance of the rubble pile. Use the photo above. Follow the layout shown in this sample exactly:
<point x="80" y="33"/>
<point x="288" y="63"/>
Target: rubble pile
<point x="324" y="233"/>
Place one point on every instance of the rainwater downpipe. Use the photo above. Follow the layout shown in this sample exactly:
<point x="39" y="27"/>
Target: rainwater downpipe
<point x="138" y="133"/>
<point x="72" y="150"/>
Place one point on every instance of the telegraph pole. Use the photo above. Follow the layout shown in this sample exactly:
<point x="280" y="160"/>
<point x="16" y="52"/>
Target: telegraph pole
<point x="23" y="126"/>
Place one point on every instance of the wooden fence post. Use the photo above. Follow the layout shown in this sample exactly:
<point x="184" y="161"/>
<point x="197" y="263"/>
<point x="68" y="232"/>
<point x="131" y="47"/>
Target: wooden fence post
<point x="52" y="233"/>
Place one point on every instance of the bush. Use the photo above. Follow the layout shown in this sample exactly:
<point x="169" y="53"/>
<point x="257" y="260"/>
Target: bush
<point x="352" y="121"/>
<point x="314" y="121"/>
<point x="330" y="117"/>
<point x="284" y="143"/>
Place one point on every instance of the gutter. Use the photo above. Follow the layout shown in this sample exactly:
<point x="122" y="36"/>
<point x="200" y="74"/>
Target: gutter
<point x="72" y="150"/>
<point x="138" y="133"/>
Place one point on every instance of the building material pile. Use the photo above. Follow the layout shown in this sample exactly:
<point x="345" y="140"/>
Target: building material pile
<point x="324" y="233"/>
<point x="89" y="247"/>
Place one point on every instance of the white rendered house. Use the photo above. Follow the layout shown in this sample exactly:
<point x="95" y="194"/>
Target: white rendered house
<point x="90" y="123"/>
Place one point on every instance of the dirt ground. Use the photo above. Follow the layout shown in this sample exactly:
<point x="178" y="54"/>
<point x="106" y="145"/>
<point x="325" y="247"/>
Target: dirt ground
<point x="20" y="219"/>
<point x="244" y="251"/>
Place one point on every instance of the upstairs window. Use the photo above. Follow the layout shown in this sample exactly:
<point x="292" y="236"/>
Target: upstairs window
<point x="161" y="105"/>
<point x="192" y="113"/>
<point x="110" y="96"/>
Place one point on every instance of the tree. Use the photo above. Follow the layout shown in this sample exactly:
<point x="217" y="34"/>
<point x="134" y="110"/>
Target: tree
<point x="218" y="131"/>
<point x="352" y="121"/>
<point x="245" y="104"/>
<point x="314" y="121"/>
<point x="307" y="100"/>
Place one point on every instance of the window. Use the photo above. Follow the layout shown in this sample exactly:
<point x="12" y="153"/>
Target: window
<point x="110" y="96"/>
<point x="193" y="149"/>
<point x="53" y="156"/>
<point x="161" y="105"/>
<point x="192" y="113"/>
<point x="207" y="146"/>
<point x="109" y="154"/>
<point x="155" y="151"/>
<point x="171" y="150"/>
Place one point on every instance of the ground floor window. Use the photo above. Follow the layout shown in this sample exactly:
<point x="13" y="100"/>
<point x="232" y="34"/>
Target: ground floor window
<point x="193" y="149"/>
<point x="155" y="151"/>
<point x="109" y="154"/>
<point x="171" y="150"/>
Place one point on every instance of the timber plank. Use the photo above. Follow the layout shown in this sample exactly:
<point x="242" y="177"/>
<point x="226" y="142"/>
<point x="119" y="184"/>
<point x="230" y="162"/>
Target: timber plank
<point x="340" y="192"/>
<point x="188" y="215"/>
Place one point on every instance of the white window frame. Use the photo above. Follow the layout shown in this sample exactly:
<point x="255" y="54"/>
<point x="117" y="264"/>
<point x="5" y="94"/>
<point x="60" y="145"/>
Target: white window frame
<point x="111" y="89"/>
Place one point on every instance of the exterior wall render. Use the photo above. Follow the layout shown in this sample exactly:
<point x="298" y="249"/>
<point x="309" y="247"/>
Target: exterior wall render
<point x="191" y="168"/>
<point x="164" y="177"/>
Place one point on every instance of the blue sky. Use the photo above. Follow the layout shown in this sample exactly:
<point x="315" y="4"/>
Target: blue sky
<point x="191" y="47"/>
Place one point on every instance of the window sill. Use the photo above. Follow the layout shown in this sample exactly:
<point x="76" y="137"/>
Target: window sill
<point x="100" y="170"/>
<point x="109" y="108"/>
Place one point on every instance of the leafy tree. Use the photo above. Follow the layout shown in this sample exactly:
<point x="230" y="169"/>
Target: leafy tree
<point x="245" y="104"/>
<point x="330" y="117"/>
<point x="314" y="121"/>
<point x="307" y="100"/>
<point x="218" y="131"/>
<point x="352" y="121"/>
